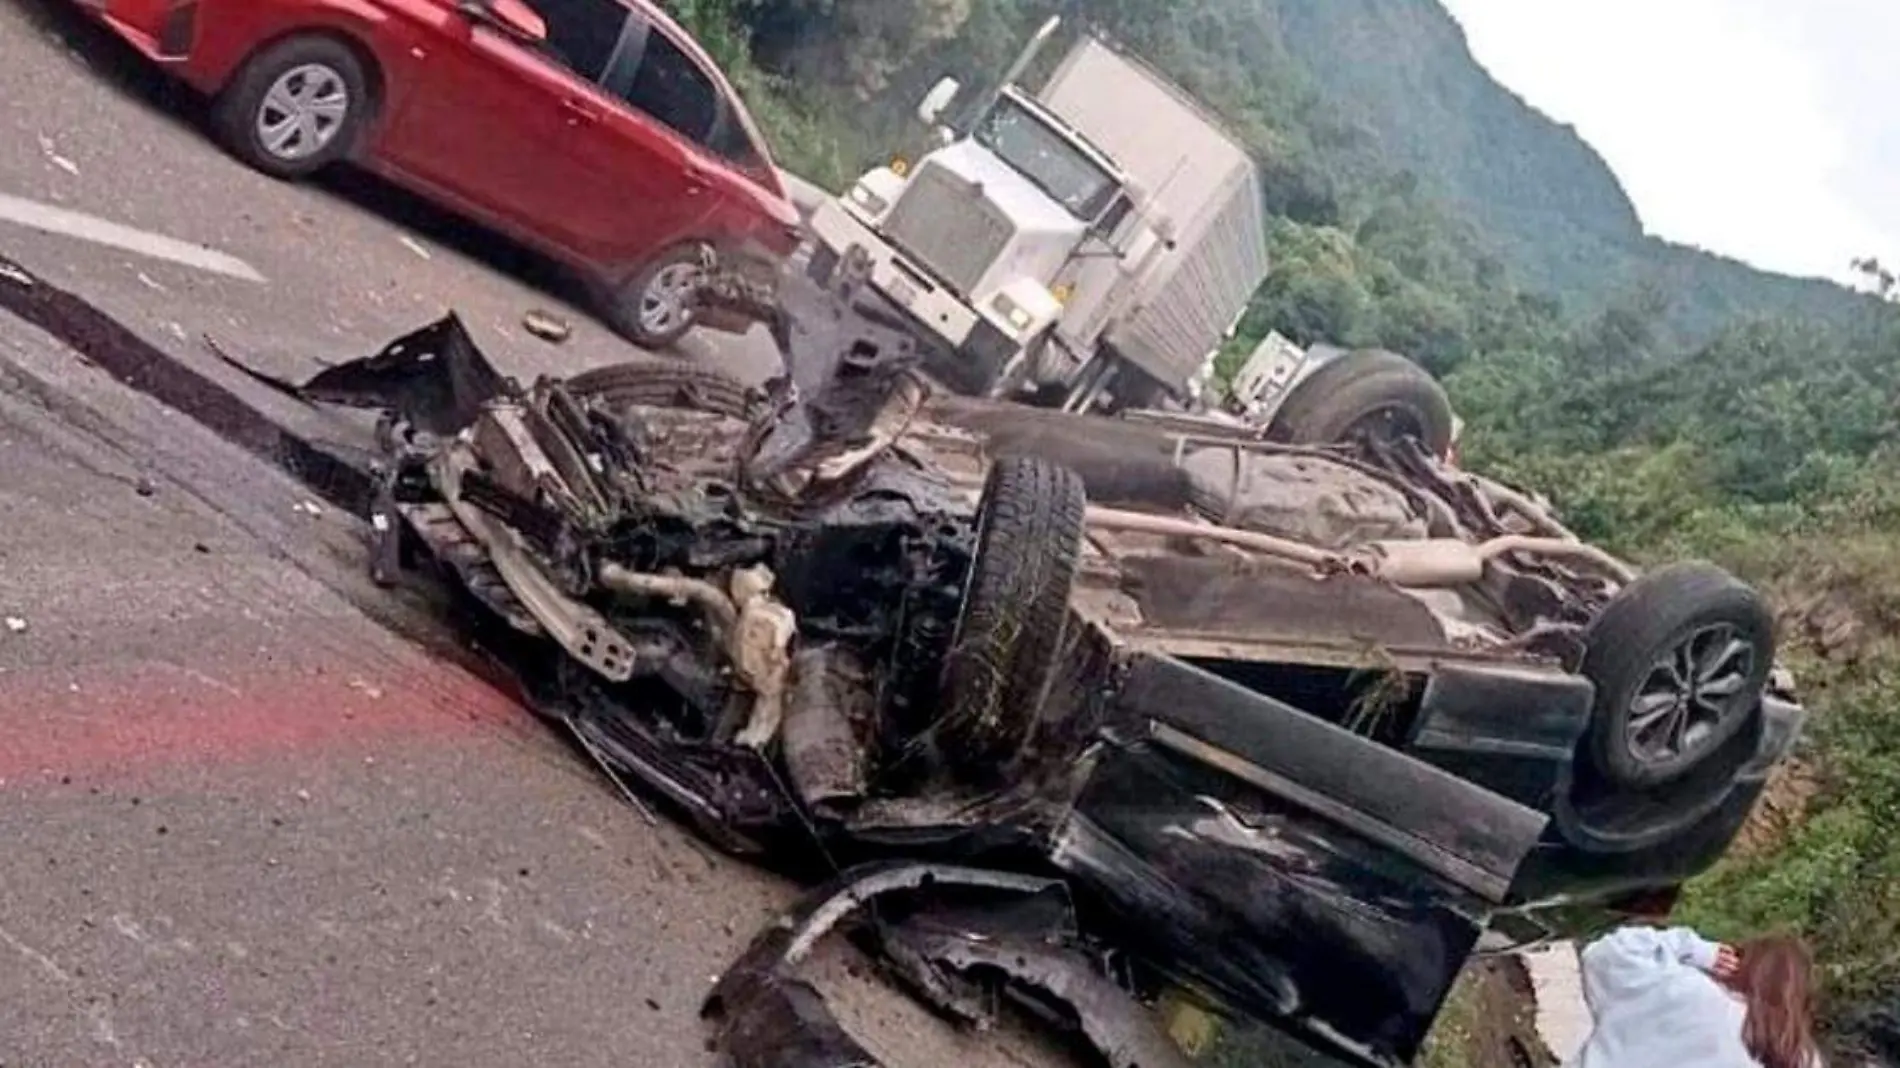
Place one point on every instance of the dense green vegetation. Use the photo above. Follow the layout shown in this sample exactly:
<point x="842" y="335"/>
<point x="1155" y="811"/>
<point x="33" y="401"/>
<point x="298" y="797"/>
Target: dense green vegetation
<point x="1671" y="402"/>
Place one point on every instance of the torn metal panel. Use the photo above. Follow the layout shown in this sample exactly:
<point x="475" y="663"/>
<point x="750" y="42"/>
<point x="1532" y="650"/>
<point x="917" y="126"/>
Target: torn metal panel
<point x="1457" y="830"/>
<point x="792" y="938"/>
<point x="1040" y="966"/>
<point x="769" y="959"/>
<point x="843" y="373"/>
<point x="435" y="378"/>
<point x="777" y="1021"/>
<point x="1266" y="909"/>
<point x="729" y="794"/>
<point x="768" y="1018"/>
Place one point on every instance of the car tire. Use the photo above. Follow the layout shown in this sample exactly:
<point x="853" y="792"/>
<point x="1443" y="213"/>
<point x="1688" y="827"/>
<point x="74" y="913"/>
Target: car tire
<point x="1004" y="650"/>
<point x="1366" y="390"/>
<point x="662" y="384"/>
<point x="317" y="73"/>
<point x="1680" y="658"/>
<point x="667" y="280"/>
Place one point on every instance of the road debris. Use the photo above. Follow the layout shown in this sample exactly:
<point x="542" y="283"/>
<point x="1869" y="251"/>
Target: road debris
<point x="415" y="246"/>
<point x="546" y="325"/>
<point x="969" y="937"/>
<point x="51" y="152"/>
<point x="16" y="624"/>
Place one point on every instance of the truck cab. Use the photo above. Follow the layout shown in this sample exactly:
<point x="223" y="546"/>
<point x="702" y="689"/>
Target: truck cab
<point x="1103" y="227"/>
<point x="982" y="240"/>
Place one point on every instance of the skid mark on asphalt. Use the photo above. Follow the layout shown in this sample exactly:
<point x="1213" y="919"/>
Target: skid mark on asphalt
<point x="64" y="222"/>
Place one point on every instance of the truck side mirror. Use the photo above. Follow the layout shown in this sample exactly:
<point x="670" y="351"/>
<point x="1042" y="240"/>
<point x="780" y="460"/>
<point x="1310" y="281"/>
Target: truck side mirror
<point x="937" y="101"/>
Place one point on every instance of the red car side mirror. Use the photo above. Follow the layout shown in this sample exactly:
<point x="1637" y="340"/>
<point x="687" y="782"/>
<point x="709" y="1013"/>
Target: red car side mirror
<point x="512" y="17"/>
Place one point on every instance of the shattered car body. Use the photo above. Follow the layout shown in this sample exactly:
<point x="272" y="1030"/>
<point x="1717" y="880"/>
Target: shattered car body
<point x="952" y="924"/>
<point x="1302" y="754"/>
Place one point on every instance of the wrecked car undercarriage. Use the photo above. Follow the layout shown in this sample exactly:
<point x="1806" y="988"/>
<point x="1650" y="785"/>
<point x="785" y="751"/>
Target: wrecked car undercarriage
<point x="1072" y="708"/>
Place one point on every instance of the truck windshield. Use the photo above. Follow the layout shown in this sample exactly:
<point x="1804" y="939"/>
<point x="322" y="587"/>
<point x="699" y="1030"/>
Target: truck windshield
<point x="1044" y="156"/>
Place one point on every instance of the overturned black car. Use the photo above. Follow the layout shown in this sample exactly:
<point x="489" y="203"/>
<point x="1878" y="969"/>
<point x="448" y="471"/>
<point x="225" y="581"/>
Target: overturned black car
<point x="1075" y="707"/>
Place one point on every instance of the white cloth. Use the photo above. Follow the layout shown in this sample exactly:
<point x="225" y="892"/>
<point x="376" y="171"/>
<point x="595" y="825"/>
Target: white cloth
<point x="1655" y="1005"/>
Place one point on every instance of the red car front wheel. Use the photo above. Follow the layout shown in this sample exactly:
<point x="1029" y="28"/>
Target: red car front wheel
<point x="295" y="107"/>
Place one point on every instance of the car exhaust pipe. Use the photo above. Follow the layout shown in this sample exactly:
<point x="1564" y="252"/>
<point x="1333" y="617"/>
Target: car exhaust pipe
<point x="1429" y="563"/>
<point x="1169" y="526"/>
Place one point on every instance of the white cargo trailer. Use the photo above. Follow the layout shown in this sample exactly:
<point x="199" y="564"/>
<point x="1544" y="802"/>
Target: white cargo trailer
<point x="1103" y="235"/>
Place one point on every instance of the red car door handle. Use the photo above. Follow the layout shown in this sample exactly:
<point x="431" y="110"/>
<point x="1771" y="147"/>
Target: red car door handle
<point x="579" y="111"/>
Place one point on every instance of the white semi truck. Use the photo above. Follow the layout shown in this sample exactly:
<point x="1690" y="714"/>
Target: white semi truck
<point x="1099" y="238"/>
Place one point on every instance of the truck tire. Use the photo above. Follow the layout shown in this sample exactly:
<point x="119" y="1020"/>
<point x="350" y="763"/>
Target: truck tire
<point x="662" y="384"/>
<point x="1015" y="608"/>
<point x="311" y="88"/>
<point x="1366" y="391"/>
<point x="1680" y="658"/>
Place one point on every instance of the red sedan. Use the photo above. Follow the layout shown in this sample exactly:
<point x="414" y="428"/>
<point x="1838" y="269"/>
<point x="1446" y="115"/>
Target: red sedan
<point x="595" y="130"/>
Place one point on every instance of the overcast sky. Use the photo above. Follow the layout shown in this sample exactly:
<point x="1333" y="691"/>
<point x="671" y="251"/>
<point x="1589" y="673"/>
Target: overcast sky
<point x="1767" y="130"/>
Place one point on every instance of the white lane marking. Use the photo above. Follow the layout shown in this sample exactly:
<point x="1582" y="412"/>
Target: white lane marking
<point x="64" y="222"/>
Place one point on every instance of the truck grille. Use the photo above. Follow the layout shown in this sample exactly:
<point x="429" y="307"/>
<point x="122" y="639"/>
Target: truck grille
<point x="948" y="226"/>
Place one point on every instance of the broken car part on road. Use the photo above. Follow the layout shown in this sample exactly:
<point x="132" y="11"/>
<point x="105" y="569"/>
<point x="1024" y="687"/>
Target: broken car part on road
<point x="1008" y="934"/>
<point x="835" y="620"/>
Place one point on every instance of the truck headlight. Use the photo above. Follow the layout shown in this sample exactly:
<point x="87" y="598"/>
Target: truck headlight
<point x="862" y="196"/>
<point x="1012" y="313"/>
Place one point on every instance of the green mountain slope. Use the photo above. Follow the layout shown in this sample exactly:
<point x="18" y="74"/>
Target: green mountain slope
<point x="1400" y="71"/>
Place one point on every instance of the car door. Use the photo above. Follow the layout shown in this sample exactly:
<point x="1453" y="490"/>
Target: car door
<point x="647" y="182"/>
<point x="498" y="125"/>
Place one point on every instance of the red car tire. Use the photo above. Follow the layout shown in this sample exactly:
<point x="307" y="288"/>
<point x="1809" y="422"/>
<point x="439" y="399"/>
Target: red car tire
<point x="295" y="107"/>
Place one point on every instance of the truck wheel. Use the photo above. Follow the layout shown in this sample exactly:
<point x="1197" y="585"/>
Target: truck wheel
<point x="1369" y="391"/>
<point x="656" y="306"/>
<point x="294" y="108"/>
<point x="1680" y="658"/>
<point x="661" y="384"/>
<point x="1015" y="608"/>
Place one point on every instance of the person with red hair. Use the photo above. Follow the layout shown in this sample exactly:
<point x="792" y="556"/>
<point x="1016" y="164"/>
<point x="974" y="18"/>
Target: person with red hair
<point x="1669" y="998"/>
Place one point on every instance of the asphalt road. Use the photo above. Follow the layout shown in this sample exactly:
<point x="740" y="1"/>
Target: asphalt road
<point x="255" y="810"/>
